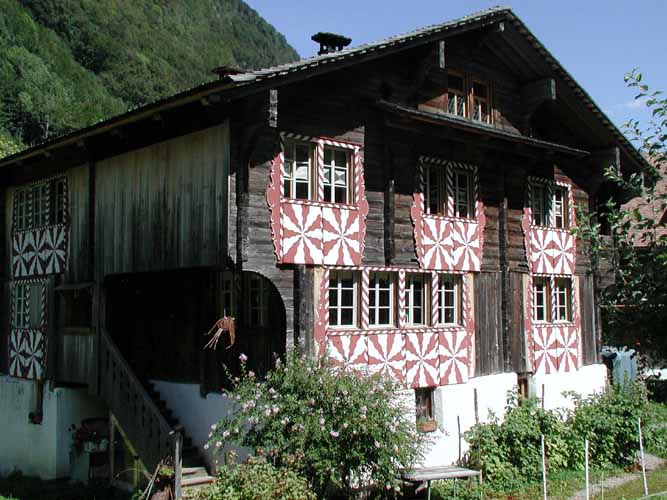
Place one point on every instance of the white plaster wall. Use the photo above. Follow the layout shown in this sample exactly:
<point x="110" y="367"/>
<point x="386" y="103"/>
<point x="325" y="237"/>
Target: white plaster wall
<point x="457" y="402"/>
<point x="195" y="413"/>
<point x="585" y="381"/>
<point x="41" y="450"/>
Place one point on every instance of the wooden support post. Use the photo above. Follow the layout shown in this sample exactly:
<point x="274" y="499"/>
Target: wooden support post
<point x="178" y="462"/>
<point x="586" y="470"/>
<point x="476" y="405"/>
<point x="112" y="446"/>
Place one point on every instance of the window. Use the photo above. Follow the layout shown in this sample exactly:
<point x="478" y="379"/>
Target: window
<point x="381" y="299"/>
<point x="550" y="205"/>
<point x="480" y="102"/>
<point x="337" y="174"/>
<point x="21" y="209"/>
<point x="298" y="169"/>
<point x="61" y="202"/>
<point x="462" y="197"/>
<point x="258" y="301"/>
<point x="228" y="294"/>
<point x="40" y="205"/>
<point x="415" y="299"/>
<point x="560" y="205"/>
<point x="449" y="299"/>
<point x="435" y="190"/>
<point x="424" y="404"/>
<point x="541" y="300"/>
<point x="563" y="299"/>
<point x="539" y="205"/>
<point x="342" y="299"/>
<point x="456" y="95"/>
<point x="21" y="298"/>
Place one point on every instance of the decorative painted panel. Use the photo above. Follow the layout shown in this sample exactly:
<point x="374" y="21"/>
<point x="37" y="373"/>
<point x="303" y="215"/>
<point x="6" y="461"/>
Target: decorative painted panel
<point x="40" y="252"/>
<point x="27" y="337"/>
<point x="443" y="242"/>
<point x="27" y="354"/>
<point x="315" y="231"/>
<point x="549" y="250"/>
<point x="348" y="350"/>
<point x="418" y="356"/>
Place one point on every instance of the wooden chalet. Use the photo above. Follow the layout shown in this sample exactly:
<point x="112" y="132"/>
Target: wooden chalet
<point x="403" y="207"/>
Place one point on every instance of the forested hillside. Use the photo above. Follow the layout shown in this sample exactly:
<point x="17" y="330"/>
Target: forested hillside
<point x="65" y="64"/>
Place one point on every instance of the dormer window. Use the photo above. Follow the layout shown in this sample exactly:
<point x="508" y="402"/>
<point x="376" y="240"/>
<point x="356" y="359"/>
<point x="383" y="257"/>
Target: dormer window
<point x="479" y="96"/>
<point x="456" y="95"/>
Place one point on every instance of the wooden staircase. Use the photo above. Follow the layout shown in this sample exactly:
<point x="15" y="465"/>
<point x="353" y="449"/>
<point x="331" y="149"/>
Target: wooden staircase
<point x="146" y="420"/>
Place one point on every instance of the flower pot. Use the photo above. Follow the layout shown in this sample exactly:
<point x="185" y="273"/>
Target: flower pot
<point x="427" y="426"/>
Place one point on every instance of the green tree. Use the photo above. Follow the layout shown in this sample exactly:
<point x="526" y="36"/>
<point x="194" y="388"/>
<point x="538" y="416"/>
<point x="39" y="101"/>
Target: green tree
<point x="635" y="307"/>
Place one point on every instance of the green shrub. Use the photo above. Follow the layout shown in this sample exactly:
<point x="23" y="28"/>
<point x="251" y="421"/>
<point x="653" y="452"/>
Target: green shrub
<point x="257" y="481"/>
<point x="338" y="428"/>
<point x="609" y="422"/>
<point x="509" y="451"/>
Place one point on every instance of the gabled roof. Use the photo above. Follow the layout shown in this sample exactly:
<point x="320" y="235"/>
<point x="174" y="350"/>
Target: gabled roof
<point x="236" y="85"/>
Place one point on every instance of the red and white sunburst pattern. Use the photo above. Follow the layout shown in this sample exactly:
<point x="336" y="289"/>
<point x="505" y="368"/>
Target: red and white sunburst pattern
<point x="541" y="253"/>
<point x="563" y="251"/>
<point x="302" y="234"/>
<point x="348" y="350"/>
<point x="27" y="354"/>
<point x="447" y="243"/>
<point x="341" y="243"/>
<point x="422" y="359"/>
<point x="337" y="237"/>
<point x="386" y="355"/>
<point x="568" y="356"/>
<point x="454" y="356"/>
<point x="39" y="252"/>
<point x="546" y="347"/>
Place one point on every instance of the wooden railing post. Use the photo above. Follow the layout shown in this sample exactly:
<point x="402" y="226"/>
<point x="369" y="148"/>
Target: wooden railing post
<point x="177" y="434"/>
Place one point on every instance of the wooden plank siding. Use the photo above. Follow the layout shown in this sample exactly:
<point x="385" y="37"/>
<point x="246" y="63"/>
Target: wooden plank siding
<point x="160" y="207"/>
<point x="488" y="324"/>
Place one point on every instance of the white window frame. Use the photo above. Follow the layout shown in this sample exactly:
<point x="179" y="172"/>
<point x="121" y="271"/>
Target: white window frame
<point x="289" y="168"/>
<point x="562" y="296"/>
<point x="560" y="208"/>
<point x="336" y="312"/>
<point x="374" y="292"/>
<point x="547" y="299"/>
<point x="21" y="299"/>
<point x="332" y="168"/>
<point x="23" y="216"/>
<point x="475" y="102"/>
<point x="440" y="188"/>
<point x="41" y="206"/>
<point x="459" y="96"/>
<point x="413" y="281"/>
<point x="443" y="291"/>
<point x="457" y="191"/>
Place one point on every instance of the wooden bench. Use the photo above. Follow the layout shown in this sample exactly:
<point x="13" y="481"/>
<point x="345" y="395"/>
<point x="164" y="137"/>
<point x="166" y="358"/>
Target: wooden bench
<point x="425" y="475"/>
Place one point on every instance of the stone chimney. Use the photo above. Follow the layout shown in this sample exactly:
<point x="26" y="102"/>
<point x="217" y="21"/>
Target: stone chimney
<point x="330" y="42"/>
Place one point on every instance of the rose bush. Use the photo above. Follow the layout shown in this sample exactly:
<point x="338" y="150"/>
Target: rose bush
<point x="341" y="429"/>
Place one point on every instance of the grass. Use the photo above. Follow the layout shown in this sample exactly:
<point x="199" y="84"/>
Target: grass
<point x="657" y="482"/>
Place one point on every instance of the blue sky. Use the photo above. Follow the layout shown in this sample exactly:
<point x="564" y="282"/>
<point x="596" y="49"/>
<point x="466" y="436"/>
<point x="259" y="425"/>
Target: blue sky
<point x="596" y="41"/>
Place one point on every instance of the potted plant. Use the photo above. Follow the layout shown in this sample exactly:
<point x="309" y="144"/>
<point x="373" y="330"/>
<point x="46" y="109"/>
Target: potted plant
<point x="427" y="425"/>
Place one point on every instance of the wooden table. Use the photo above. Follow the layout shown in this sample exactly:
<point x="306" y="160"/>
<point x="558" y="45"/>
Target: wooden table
<point x="428" y="474"/>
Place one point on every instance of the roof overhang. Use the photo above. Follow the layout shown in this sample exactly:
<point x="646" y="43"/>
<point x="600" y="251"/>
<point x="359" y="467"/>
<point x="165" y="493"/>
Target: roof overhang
<point x="470" y="127"/>
<point x="239" y="85"/>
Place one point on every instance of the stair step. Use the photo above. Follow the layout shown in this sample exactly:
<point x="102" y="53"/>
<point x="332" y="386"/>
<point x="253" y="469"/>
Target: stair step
<point x="190" y="472"/>
<point x="197" y="481"/>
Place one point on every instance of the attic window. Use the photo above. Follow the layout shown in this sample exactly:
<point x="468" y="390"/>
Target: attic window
<point x="479" y="96"/>
<point x="456" y="95"/>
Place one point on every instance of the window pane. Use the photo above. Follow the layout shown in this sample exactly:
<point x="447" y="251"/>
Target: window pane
<point x="347" y="317"/>
<point x="341" y="157"/>
<point x="479" y="89"/>
<point x="301" y="191"/>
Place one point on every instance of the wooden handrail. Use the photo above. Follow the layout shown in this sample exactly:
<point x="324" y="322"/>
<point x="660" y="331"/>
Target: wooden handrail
<point x="134" y="410"/>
